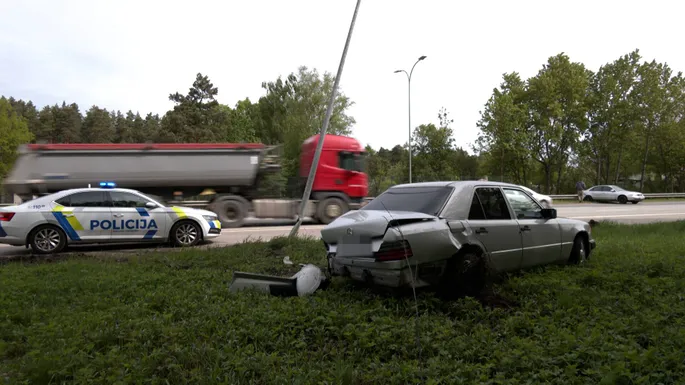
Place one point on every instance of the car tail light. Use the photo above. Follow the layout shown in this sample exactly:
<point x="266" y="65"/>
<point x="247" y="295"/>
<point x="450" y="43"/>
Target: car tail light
<point x="6" y="217"/>
<point x="394" y="251"/>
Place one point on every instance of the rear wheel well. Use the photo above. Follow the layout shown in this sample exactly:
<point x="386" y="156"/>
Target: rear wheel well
<point x="468" y="248"/>
<point x="36" y="227"/>
<point x="173" y="226"/>
<point x="586" y="239"/>
<point x="465" y="276"/>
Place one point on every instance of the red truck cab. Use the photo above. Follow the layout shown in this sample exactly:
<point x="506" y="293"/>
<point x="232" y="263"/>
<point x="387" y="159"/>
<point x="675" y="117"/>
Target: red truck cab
<point x="341" y="182"/>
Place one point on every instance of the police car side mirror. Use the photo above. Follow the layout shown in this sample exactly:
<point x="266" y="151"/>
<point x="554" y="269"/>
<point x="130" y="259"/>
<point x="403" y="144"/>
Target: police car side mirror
<point x="150" y="205"/>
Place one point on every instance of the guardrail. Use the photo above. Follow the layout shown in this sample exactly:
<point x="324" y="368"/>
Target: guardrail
<point x="555" y="197"/>
<point x="647" y="196"/>
<point x="574" y="196"/>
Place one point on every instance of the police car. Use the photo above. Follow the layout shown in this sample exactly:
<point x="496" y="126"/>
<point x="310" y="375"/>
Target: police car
<point x="102" y="215"/>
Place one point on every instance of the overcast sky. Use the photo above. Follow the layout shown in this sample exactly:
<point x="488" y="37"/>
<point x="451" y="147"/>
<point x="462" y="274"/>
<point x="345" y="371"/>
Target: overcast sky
<point x="131" y="54"/>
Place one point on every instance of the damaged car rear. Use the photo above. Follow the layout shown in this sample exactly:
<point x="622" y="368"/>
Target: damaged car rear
<point x="450" y="235"/>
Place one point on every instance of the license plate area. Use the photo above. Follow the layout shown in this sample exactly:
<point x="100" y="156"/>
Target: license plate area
<point x="360" y="246"/>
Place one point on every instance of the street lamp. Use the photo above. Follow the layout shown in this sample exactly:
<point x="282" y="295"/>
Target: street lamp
<point x="409" y="83"/>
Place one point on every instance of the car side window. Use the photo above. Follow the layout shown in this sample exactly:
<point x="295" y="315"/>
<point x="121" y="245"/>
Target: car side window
<point x="493" y="203"/>
<point x="476" y="212"/>
<point x="125" y="199"/>
<point x="524" y="206"/>
<point x="84" y="199"/>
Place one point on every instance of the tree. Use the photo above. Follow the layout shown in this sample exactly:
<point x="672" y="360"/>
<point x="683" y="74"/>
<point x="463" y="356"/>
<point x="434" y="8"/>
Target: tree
<point x="557" y="99"/>
<point x="611" y="115"/>
<point x="27" y="110"/>
<point x="504" y="126"/>
<point x="123" y="127"/>
<point x="14" y="131"/>
<point x="655" y="101"/>
<point x="243" y="122"/>
<point x="67" y="124"/>
<point x="197" y="116"/>
<point x="98" y="126"/>
<point x="294" y="109"/>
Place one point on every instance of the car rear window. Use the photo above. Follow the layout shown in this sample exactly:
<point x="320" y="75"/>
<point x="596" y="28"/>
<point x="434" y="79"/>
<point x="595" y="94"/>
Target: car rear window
<point x="427" y="200"/>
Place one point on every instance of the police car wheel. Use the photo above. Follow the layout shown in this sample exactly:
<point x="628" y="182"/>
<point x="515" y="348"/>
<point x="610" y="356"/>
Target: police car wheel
<point x="186" y="233"/>
<point x="47" y="239"/>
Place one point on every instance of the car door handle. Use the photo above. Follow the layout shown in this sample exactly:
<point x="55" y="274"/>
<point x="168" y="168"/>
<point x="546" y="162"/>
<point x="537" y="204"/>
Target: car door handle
<point x="68" y="215"/>
<point x="118" y="215"/>
<point x="481" y="230"/>
<point x="525" y="228"/>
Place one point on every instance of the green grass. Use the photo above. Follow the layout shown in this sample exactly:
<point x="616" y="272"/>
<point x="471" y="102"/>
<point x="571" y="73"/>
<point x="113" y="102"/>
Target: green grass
<point x="168" y="318"/>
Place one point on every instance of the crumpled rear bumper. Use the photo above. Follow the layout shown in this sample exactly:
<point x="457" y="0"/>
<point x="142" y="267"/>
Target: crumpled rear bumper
<point x="389" y="274"/>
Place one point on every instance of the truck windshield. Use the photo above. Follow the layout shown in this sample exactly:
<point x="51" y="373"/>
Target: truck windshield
<point x="427" y="200"/>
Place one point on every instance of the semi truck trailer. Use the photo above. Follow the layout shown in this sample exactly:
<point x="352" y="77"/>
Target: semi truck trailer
<point x="222" y="177"/>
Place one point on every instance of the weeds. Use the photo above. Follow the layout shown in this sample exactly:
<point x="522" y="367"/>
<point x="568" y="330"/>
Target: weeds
<point x="167" y="317"/>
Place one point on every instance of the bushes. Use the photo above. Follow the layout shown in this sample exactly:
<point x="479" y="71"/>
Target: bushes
<point x="156" y="316"/>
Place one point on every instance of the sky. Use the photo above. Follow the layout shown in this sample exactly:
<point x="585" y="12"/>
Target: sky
<point x="127" y="55"/>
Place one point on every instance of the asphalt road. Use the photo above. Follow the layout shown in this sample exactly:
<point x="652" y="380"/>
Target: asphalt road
<point x="644" y="212"/>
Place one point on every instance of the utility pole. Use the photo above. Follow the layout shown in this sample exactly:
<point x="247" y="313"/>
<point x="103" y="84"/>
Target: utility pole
<point x="324" y="128"/>
<point x="409" y="94"/>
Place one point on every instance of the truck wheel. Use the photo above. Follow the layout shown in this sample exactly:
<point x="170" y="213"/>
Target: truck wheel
<point x="47" y="239"/>
<point x="329" y="209"/>
<point x="231" y="211"/>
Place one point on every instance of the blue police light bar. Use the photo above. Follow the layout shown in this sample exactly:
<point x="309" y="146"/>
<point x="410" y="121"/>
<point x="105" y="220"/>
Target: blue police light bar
<point x="108" y="184"/>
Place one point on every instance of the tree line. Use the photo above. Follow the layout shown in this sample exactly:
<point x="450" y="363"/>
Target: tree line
<point x="620" y="125"/>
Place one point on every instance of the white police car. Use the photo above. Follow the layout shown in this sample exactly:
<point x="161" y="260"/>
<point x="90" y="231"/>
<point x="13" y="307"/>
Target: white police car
<point x="102" y="215"/>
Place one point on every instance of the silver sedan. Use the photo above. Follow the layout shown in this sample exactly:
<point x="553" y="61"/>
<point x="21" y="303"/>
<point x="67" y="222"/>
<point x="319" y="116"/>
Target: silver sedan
<point x="611" y="193"/>
<point x="450" y="235"/>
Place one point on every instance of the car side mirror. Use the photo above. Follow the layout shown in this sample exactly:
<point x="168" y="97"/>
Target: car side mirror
<point x="549" y="213"/>
<point x="150" y="205"/>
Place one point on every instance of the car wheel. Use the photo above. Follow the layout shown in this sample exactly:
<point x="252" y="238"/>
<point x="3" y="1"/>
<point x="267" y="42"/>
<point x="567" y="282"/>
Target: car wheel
<point x="47" y="239"/>
<point x="465" y="274"/>
<point x="622" y="199"/>
<point x="329" y="209"/>
<point x="588" y="198"/>
<point x="579" y="253"/>
<point x="186" y="233"/>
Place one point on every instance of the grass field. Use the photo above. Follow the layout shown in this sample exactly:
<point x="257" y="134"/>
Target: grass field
<point x="168" y="318"/>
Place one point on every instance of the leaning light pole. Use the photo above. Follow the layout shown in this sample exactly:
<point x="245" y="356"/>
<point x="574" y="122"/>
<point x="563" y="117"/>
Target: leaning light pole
<point x="409" y="95"/>
<point x="324" y="127"/>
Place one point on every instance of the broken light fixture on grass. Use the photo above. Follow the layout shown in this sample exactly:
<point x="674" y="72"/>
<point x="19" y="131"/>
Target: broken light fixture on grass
<point x="306" y="281"/>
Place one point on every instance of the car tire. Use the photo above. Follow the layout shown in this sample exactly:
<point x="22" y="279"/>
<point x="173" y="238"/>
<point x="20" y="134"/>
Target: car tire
<point x="185" y="234"/>
<point x="588" y="198"/>
<point x="622" y="199"/>
<point x="579" y="252"/>
<point x="326" y="209"/>
<point x="42" y="234"/>
<point x="465" y="274"/>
